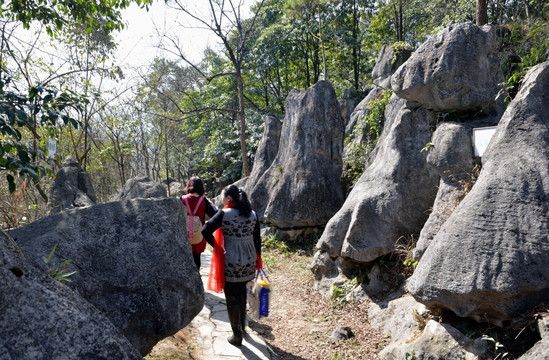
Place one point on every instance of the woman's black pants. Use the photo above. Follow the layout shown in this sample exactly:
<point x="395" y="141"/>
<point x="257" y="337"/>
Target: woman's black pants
<point x="235" y="296"/>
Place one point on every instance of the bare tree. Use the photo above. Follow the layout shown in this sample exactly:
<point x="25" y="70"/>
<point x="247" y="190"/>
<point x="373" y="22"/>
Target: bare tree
<point x="225" y="21"/>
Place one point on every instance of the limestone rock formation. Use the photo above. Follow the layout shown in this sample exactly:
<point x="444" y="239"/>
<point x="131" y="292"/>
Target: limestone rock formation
<point x="141" y="187"/>
<point x="360" y="113"/>
<point x="268" y="147"/>
<point x="438" y="341"/>
<point x="388" y="61"/>
<point x="43" y="319"/>
<point x="71" y="188"/>
<point x="411" y="330"/>
<point x="133" y="263"/>
<point x="392" y="196"/>
<point x="176" y="188"/>
<point x="489" y="259"/>
<point x="540" y="349"/>
<point x="302" y="186"/>
<point x="456" y="69"/>
<point x="451" y="155"/>
<point x="348" y="103"/>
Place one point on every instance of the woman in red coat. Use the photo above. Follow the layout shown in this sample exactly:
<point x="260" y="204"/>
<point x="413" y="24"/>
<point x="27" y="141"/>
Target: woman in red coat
<point x="195" y="191"/>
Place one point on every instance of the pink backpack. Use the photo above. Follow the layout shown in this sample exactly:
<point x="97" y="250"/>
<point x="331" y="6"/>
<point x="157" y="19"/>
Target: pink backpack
<point x="194" y="225"/>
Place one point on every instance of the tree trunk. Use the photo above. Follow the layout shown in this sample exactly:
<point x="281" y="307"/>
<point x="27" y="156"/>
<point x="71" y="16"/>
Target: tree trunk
<point x="527" y="9"/>
<point x="482" y="12"/>
<point x="245" y="166"/>
<point x="321" y="41"/>
<point x="356" y="48"/>
<point x="167" y="159"/>
<point x="398" y="21"/>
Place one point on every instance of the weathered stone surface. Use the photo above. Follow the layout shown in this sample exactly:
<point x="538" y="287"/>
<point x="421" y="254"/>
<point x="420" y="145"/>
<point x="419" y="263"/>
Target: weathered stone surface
<point x="133" y="263"/>
<point x="175" y="189"/>
<point x="437" y="341"/>
<point x="342" y="333"/>
<point x="394" y="317"/>
<point x="392" y="196"/>
<point x="268" y="147"/>
<point x="141" y="187"/>
<point x="455" y="70"/>
<point x="71" y="188"/>
<point x="540" y="351"/>
<point x="42" y="319"/>
<point x="543" y="327"/>
<point x="308" y="163"/>
<point x="489" y="259"/>
<point x="348" y="103"/>
<point x="358" y="116"/>
<point x="451" y="155"/>
<point x="387" y="62"/>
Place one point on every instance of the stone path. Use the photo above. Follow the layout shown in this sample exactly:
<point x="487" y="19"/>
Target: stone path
<point x="211" y="328"/>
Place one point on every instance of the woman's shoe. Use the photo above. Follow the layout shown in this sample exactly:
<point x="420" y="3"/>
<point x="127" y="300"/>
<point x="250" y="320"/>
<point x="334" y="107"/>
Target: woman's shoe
<point x="234" y="340"/>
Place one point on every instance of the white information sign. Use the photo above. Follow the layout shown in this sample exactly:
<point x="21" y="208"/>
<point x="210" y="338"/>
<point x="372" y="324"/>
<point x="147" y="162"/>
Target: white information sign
<point x="52" y="148"/>
<point x="481" y="138"/>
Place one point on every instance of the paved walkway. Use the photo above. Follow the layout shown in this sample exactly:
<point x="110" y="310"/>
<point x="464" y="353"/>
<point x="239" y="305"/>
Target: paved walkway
<point x="211" y="327"/>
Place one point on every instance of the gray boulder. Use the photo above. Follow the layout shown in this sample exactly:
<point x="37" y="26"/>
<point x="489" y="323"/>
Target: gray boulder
<point x="489" y="259"/>
<point x="43" y="319"/>
<point x="71" y="188"/>
<point x="457" y="69"/>
<point x="411" y="332"/>
<point x="541" y="349"/>
<point x="388" y="61"/>
<point x="348" y="103"/>
<point x="175" y="189"/>
<point x="264" y="156"/>
<point x="392" y="196"/>
<point x="437" y="341"/>
<point x="132" y="262"/>
<point x="359" y="114"/>
<point x="451" y="156"/>
<point x="141" y="187"/>
<point x="308" y="163"/>
<point x="267" y="149"/>
<point x="397" y="318"/>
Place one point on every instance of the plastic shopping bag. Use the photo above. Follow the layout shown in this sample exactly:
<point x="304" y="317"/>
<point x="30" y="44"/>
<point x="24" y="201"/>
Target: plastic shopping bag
<point x="259" y="293"/>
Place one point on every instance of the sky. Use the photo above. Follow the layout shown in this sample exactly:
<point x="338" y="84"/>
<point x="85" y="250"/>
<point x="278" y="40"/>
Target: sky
<point x="138" y="41"/>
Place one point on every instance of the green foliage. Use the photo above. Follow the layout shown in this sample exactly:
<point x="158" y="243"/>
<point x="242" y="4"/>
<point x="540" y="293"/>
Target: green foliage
<point x="427" y="147"/>
<point x="21" y="115"/>
<point x="410" y="262"/>
<point x="272" y="243"/>
<point x="411" y="356"/>
<point x="55" y="15"/>
<point x="56" y="272"/>
<point x="339" y="293"/>
<point x="524" y="46"/>
<point x="368" y="129"/>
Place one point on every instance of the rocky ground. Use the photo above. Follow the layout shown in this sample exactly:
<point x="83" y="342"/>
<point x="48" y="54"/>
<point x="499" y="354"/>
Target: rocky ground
<point x="301" y="320"/>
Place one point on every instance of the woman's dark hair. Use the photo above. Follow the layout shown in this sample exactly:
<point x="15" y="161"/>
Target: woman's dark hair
<point x="195" y="185"/>
<point x="240" y="197"/>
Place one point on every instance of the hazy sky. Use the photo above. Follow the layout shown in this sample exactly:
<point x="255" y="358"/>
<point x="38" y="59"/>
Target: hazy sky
<point x="138" y="41"/>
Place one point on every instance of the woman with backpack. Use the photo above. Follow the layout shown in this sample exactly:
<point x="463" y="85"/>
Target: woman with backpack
<point x="237" y="247"/>
<point x="197" y="205"/>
